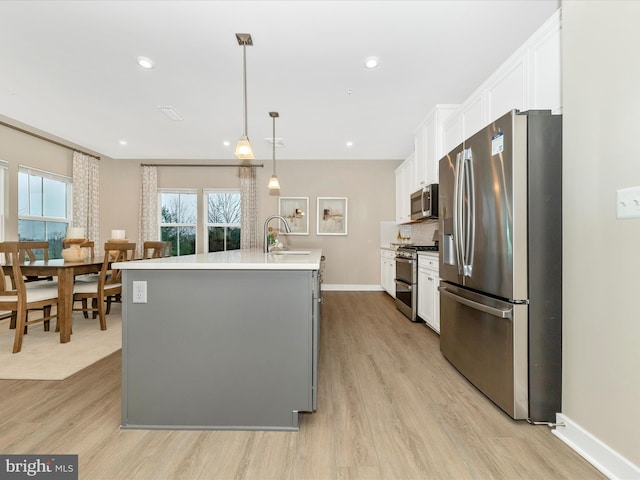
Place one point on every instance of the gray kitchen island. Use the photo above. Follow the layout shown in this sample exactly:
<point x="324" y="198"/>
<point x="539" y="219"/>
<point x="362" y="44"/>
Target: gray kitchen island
<point x="225" y="340"/>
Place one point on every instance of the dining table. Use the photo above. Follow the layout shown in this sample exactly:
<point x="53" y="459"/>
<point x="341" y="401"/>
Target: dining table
<point x="65" y="271"/>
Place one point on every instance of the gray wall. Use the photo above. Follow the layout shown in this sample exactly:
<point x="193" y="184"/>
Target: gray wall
<point x="601" y="105"/>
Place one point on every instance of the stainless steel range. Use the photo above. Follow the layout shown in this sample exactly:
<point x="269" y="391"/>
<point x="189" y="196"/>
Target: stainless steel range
<point x="407" y="278"/>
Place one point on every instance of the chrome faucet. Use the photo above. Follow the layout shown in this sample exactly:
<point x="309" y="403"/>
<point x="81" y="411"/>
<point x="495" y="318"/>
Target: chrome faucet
<point x="266" y="224"/>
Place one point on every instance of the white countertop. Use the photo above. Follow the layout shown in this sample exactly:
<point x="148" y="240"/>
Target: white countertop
<point x="253" y="259"/>
<point x="429" y="253"/>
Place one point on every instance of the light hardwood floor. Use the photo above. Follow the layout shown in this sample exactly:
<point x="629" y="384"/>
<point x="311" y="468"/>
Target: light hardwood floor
<point x="390" y="407"/>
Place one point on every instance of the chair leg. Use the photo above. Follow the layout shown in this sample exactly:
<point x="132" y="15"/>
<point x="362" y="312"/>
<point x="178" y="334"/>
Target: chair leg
<point x="84" y="308"/>
<point x="46" y="312"/>
<point x="101" y="314"/>
<point x="108" y="311"/>
<point x="12" y="323"/>
<point x="94" y="306"/>
<point x="20" y="320"/>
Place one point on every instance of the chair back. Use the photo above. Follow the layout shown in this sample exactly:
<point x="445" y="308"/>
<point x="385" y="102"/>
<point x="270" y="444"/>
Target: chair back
<point x="116" y="252"/>
<point x="11" y="257"/>
<point x="88" y="244"/>
<point x="32" y="251"/>
<point x="154" y="249"/>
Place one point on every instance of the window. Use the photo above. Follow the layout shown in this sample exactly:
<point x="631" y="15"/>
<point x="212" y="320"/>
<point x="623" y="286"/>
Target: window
<point x="44" y="208"/>
<point x="179" y="220"/>
<point x="3" y="188"/>
<point x="223" y="220"/>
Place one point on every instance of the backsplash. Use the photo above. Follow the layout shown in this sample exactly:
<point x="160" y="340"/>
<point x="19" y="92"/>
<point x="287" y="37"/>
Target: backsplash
<point x="420" y="233"/>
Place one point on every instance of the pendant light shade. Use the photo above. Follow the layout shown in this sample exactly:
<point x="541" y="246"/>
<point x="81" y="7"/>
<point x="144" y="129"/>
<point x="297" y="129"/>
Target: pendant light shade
<point x="274" y="183"/>
<point x="243" y="147"/>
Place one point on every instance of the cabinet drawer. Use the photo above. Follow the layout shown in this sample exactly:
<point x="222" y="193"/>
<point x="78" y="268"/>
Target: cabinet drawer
<point x="388" y="254"/>
<point x="426" y="261"/>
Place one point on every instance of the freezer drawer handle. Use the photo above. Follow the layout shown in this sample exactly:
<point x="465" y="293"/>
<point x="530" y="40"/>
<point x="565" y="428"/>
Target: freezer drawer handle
<point x="496" y="312"/>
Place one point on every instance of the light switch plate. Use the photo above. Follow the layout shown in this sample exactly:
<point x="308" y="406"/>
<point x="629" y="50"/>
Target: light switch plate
<point x="628" y="203"/>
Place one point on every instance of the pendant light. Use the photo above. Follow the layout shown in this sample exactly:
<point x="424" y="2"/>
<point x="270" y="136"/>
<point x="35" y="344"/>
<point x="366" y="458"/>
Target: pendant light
<point x="243" y="147"/>
<point x="274" y="183"/>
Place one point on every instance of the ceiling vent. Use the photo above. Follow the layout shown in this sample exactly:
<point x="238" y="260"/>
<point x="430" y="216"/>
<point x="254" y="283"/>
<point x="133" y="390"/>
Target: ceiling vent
<point x="170" y="113"/>
<point x="278" y="141"/>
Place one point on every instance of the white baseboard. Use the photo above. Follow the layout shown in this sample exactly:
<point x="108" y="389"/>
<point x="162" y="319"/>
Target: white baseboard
<point x="600" y="455"/>
<point x="351" y="288"/>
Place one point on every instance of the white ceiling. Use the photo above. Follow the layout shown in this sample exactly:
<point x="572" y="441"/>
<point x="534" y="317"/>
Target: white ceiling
<point x="69" y="68"/>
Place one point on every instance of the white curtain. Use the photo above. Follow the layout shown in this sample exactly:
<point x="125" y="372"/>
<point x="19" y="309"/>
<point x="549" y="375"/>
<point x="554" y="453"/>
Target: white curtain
<point x="86" y="197"/>
<point x="148" y="230"/>
<point x="249" y="208"/>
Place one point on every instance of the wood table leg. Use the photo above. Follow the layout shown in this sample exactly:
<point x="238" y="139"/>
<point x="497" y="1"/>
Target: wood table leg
<point x="65" y="302"/>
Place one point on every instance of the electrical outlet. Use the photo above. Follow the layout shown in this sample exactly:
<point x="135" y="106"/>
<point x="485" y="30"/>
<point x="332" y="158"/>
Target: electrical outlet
<point x="628" y="202"/>
<point x="139" y="292"/>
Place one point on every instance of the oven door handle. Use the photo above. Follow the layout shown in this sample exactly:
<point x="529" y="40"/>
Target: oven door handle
<point x="405" y="260"/>
<point x="408" y="286"/>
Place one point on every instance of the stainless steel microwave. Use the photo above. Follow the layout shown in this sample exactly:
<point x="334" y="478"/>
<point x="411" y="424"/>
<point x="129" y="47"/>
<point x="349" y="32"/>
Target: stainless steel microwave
<point x="424" y="203"/>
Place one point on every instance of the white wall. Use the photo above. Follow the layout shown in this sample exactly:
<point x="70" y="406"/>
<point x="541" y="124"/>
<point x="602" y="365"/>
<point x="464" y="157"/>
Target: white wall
<point x="601" y="97"/>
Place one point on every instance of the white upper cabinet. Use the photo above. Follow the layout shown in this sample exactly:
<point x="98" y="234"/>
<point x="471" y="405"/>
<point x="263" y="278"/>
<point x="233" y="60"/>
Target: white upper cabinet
<point x="405" y="186"/>
<point x="530" y="79"/>
<point x="507" y="90"/>
<point x="429" y="144"/>
<point x="545" y="72"/>
<point x="474" y="118"/>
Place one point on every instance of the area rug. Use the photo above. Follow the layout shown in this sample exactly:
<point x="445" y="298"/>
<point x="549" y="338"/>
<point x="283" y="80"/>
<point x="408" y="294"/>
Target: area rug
<point x="43" y="357"/>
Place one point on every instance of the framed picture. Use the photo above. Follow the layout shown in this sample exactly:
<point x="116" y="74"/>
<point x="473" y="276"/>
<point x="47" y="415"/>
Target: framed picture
<point x="296" y="211"/>
<point x="332" y="215"/>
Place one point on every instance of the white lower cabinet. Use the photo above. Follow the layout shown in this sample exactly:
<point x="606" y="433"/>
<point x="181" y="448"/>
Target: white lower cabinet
<point x="388" y="271"/>
<point x="428" y="296"/>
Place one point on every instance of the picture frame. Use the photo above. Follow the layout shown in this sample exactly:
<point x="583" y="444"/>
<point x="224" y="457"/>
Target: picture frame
<point x="296" y="211"/>
<point x="332" y="216"/>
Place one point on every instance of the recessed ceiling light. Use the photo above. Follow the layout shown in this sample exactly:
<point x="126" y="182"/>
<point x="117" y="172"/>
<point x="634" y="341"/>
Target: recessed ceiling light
<point x="226" y="143"/>
<point x="122" y="142"/>
<point x="349" y="144"/>
<point x="145" y="62"/>
<point x="371" y="62"/>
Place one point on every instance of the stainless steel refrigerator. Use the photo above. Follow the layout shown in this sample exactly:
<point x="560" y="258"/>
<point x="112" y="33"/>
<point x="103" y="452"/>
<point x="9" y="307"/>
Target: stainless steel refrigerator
<point x="500" y="221"/>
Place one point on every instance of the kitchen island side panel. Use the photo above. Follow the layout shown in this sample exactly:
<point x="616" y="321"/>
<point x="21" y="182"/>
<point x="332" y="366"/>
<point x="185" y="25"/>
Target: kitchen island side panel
<point x="219" y="349"/>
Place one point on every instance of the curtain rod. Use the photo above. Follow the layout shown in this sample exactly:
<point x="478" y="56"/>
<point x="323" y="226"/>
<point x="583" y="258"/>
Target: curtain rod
<point x="199" y="165"/>
<point x="22" y="130"/>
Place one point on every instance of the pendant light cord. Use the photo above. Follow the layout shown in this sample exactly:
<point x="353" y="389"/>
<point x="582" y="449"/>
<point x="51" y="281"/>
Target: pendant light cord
<point x="274" y="145"/>
<point x="244" y="78"/>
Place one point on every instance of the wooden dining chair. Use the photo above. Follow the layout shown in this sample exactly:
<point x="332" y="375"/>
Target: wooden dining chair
<point x="109" y="282"/>
<point x="154" y="249"/>
<point x="87" y="244"/>
<point x="30" y="251"/>
<point x="85" y="277"/>
<point x="20" y="299"/>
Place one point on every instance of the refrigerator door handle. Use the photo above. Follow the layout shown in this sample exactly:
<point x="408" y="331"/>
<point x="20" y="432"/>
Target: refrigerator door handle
<point x="496" y="312"/>
<point x="470" y="229"/>
<point x="457" y="217"/>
